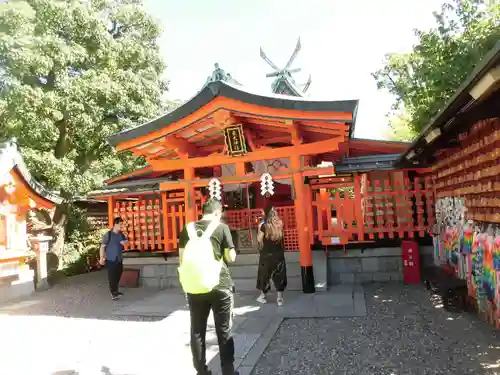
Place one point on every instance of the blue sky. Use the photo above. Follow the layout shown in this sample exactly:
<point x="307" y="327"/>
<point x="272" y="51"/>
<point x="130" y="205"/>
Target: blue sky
<point x="342" y="43"/>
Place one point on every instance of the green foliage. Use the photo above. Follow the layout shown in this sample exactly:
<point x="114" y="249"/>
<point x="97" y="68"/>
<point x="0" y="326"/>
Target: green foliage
<point x="400" y="129"/>
<point x="81" y="247"/>
<point x="72" y="73"/>
<point x="81" y="252"/>
<point x="425" y="78"/>
<point x="344" y="192"/>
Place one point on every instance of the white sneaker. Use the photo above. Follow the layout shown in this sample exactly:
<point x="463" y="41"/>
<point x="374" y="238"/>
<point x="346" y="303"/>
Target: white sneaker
<point x="262" y="299"/>
<point x="279" y="301"/>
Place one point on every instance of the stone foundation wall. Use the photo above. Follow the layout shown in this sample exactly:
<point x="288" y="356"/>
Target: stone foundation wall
<point x="370" y="265"/>
<point x="155" y="272"/>
<point x="355" y="266"/>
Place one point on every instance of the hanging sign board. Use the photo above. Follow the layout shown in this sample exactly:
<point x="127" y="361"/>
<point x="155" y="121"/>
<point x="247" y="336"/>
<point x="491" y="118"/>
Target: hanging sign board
<point x="235" y="140"/>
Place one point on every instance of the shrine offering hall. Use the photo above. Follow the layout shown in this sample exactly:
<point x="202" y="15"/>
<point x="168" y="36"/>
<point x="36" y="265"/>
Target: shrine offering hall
<point x="249" y="150"/>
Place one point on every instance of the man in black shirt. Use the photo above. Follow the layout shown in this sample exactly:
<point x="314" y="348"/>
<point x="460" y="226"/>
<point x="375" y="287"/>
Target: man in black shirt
<point x="219" y="300"/>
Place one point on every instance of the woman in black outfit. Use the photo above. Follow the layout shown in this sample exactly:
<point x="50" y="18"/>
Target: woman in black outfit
<point x="272" y="265"/>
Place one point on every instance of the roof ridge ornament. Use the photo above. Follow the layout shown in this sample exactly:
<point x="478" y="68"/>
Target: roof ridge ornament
<point x="285" y="73"/>
<point x="220" y="75"/>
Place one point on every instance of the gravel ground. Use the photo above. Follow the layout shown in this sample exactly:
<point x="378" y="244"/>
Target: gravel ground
<point x="405" y="332"/>
<point x="82" y="296"/>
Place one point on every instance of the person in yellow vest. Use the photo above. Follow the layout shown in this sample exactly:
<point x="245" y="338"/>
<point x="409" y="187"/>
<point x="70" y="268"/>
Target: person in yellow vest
<point x="205" y="249"/>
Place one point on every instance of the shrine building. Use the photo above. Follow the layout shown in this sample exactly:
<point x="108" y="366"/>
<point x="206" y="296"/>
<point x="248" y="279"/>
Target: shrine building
<point x="333" y="191"/>
<point x="20" y="193"/>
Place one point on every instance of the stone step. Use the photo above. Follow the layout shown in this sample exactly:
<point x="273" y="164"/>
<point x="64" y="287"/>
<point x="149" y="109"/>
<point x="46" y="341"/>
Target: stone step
<point x="242" y="259"/>
<point x="250" y="270"/>
<point x="249" y="284"/>
<point x="241" y="284"/>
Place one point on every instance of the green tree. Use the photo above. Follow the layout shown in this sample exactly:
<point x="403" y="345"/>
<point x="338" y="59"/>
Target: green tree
<point x="73" y="72"/>
<point x="399" y="129"/>
<point x="425" y="78"/>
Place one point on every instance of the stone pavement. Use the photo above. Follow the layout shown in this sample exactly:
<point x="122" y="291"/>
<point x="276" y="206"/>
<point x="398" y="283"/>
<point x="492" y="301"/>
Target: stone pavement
<point x="74" y="329"/>
<point x="254" y="324"/>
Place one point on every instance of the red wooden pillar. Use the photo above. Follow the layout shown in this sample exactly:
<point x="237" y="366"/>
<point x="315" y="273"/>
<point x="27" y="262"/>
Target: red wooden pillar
<point x="309" y="213"/>
<point x="358" y="209"/>
<point x="164" y="211"/>
<point x="306" y="266"/>
<point x="189" y="195"/>
<point x="324" y="197"/>
<point x="111" y="211"/>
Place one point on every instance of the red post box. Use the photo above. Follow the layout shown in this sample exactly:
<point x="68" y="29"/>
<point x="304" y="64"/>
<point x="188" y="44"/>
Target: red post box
<point x="411" y="262"/>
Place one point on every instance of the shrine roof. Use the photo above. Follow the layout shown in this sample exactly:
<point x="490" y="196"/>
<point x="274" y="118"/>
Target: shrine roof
<point x="10" y="159"/>
<point x="476" y="99"/>
<point x="287" y="83"/>
<point x="367" y="163"/>
<point x="228" y="90"/>
<point x="371" y="146"/>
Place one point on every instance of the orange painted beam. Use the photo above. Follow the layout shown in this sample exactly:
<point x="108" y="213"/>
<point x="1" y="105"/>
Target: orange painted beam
<point x="249" y="136"/>
<point x="322" y="130"/>
<point x="180" y="146"/>
<point x="266" y="141"/>
<point x="282" y="175"/>
<point x="214" y="148"/>
<point x="223" y="118"/>
<point x="304" y="149"/>
<point x="240" y="169"/>
<point x="197" y="127"/>
<point x="236" y="107"/>
<point x="163" y="153"/>
<point x="295" y="131"/>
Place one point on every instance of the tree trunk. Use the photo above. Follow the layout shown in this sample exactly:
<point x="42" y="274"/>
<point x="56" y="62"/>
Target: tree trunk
<point x="59" y="222"/>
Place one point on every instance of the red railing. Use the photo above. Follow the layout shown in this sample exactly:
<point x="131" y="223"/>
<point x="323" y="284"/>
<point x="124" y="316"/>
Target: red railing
<point x="377" y="209"/>
<point x="248" y="219"/>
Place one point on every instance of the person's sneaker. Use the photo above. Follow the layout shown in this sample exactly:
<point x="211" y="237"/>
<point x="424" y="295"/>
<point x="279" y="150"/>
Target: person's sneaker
<point x="115" y="297"/>
<point x="279" y="301"/>
<point x="262" y="299"/>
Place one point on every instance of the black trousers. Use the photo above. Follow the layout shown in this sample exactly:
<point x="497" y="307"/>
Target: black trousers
<point x="221" y="303"/>
<point x="271" y="267"/>
<point x="115" y="270"/>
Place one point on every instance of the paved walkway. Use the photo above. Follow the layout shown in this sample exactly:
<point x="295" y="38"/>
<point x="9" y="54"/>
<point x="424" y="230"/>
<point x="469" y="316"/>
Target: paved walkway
<point x="254" y="324"/>
<point x="75" y="329"/>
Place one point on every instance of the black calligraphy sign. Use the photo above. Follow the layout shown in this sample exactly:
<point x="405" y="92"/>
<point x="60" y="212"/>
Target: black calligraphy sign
<point x="235" y="140"/>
